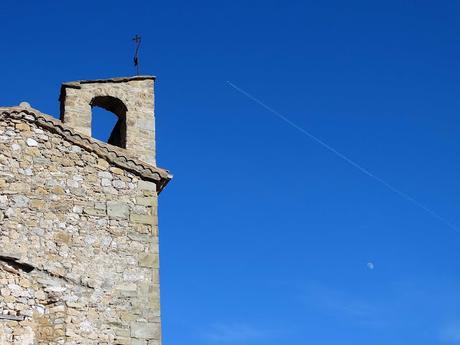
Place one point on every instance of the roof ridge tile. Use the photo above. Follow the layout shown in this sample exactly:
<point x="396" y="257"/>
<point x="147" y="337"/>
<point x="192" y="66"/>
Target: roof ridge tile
<point x="115" y="155"/>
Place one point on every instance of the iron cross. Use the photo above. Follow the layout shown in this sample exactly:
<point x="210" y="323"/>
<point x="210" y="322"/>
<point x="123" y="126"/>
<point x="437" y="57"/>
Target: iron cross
<point x="137" y="41"/>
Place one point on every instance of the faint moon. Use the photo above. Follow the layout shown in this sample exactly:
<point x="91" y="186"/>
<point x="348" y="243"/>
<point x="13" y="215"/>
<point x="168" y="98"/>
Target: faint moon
<point x="370" y="265"/>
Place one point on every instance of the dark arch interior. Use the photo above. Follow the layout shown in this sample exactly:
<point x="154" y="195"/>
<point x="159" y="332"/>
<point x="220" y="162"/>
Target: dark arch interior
<point x="114" y="105"/>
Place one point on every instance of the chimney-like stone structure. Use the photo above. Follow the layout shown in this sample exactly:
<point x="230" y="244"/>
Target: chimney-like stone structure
<point x="130" y="98"/>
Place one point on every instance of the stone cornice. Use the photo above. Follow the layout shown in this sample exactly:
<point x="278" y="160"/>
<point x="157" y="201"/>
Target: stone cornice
<point x="76" y="84"/>
<point x="115" y="155"/>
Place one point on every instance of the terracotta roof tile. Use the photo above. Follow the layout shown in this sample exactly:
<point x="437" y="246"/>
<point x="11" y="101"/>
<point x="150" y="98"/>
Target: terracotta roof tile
<point x="115" y="155"/>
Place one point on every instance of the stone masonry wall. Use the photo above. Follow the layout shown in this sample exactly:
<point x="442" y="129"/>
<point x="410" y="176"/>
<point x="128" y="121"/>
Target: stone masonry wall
<point x="78" y="245"/>
<point x="136" y="93"/>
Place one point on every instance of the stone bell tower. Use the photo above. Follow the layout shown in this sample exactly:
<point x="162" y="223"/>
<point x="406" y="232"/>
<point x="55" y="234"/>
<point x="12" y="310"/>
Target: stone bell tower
<point x="131" y="99"/>
<point x="79" y="239"/>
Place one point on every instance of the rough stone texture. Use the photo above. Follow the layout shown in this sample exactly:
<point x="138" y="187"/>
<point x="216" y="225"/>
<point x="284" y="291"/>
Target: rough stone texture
<point x="78" y="240"/>
<point x="119" y="157"/>
<point x="135" y="93"/>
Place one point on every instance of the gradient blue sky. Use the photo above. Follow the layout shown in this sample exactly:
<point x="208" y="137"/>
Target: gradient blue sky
<point x="265" y="235"/>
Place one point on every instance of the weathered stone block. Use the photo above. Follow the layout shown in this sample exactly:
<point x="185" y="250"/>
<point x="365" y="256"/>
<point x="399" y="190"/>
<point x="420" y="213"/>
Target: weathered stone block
<point x="94" y="211"/>
<point x="142" y="218"/>
<point x="147" y="185"/>
<point x="145" y="201"/>
<point x="145" y="330"/>
<point x="147" y="260"/>
<point x="102" y="164"/>
<point x="37" y="203"/>
<point x="117" y="209"/>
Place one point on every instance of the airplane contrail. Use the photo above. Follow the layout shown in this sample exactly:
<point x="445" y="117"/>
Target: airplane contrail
<point x="347" y="159"/>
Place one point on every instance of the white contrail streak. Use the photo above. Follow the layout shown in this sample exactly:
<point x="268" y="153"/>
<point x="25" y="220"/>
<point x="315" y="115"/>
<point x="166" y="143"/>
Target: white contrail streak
<point x="346" y="159"/>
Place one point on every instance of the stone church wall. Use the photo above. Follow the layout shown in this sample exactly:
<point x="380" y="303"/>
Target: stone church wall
<point x="78" y="245"/>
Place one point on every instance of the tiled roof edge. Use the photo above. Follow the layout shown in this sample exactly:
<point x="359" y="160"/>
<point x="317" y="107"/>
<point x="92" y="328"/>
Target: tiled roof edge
<point x="115" y="155"/>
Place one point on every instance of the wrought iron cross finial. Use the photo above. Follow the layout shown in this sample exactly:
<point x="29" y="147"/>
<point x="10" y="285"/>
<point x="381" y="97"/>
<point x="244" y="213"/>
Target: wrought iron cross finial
<point x="137" y="40"/>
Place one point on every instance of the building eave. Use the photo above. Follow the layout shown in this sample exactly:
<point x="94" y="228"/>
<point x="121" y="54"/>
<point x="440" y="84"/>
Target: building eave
<point x="115" y="155"/>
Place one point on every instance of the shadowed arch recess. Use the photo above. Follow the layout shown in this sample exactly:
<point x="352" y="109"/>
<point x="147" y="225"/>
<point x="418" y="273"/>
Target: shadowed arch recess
<point x="117" y="107"/>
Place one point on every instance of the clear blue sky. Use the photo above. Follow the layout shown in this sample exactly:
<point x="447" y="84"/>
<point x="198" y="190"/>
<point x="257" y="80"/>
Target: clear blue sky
<point x="266" y="236"/>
